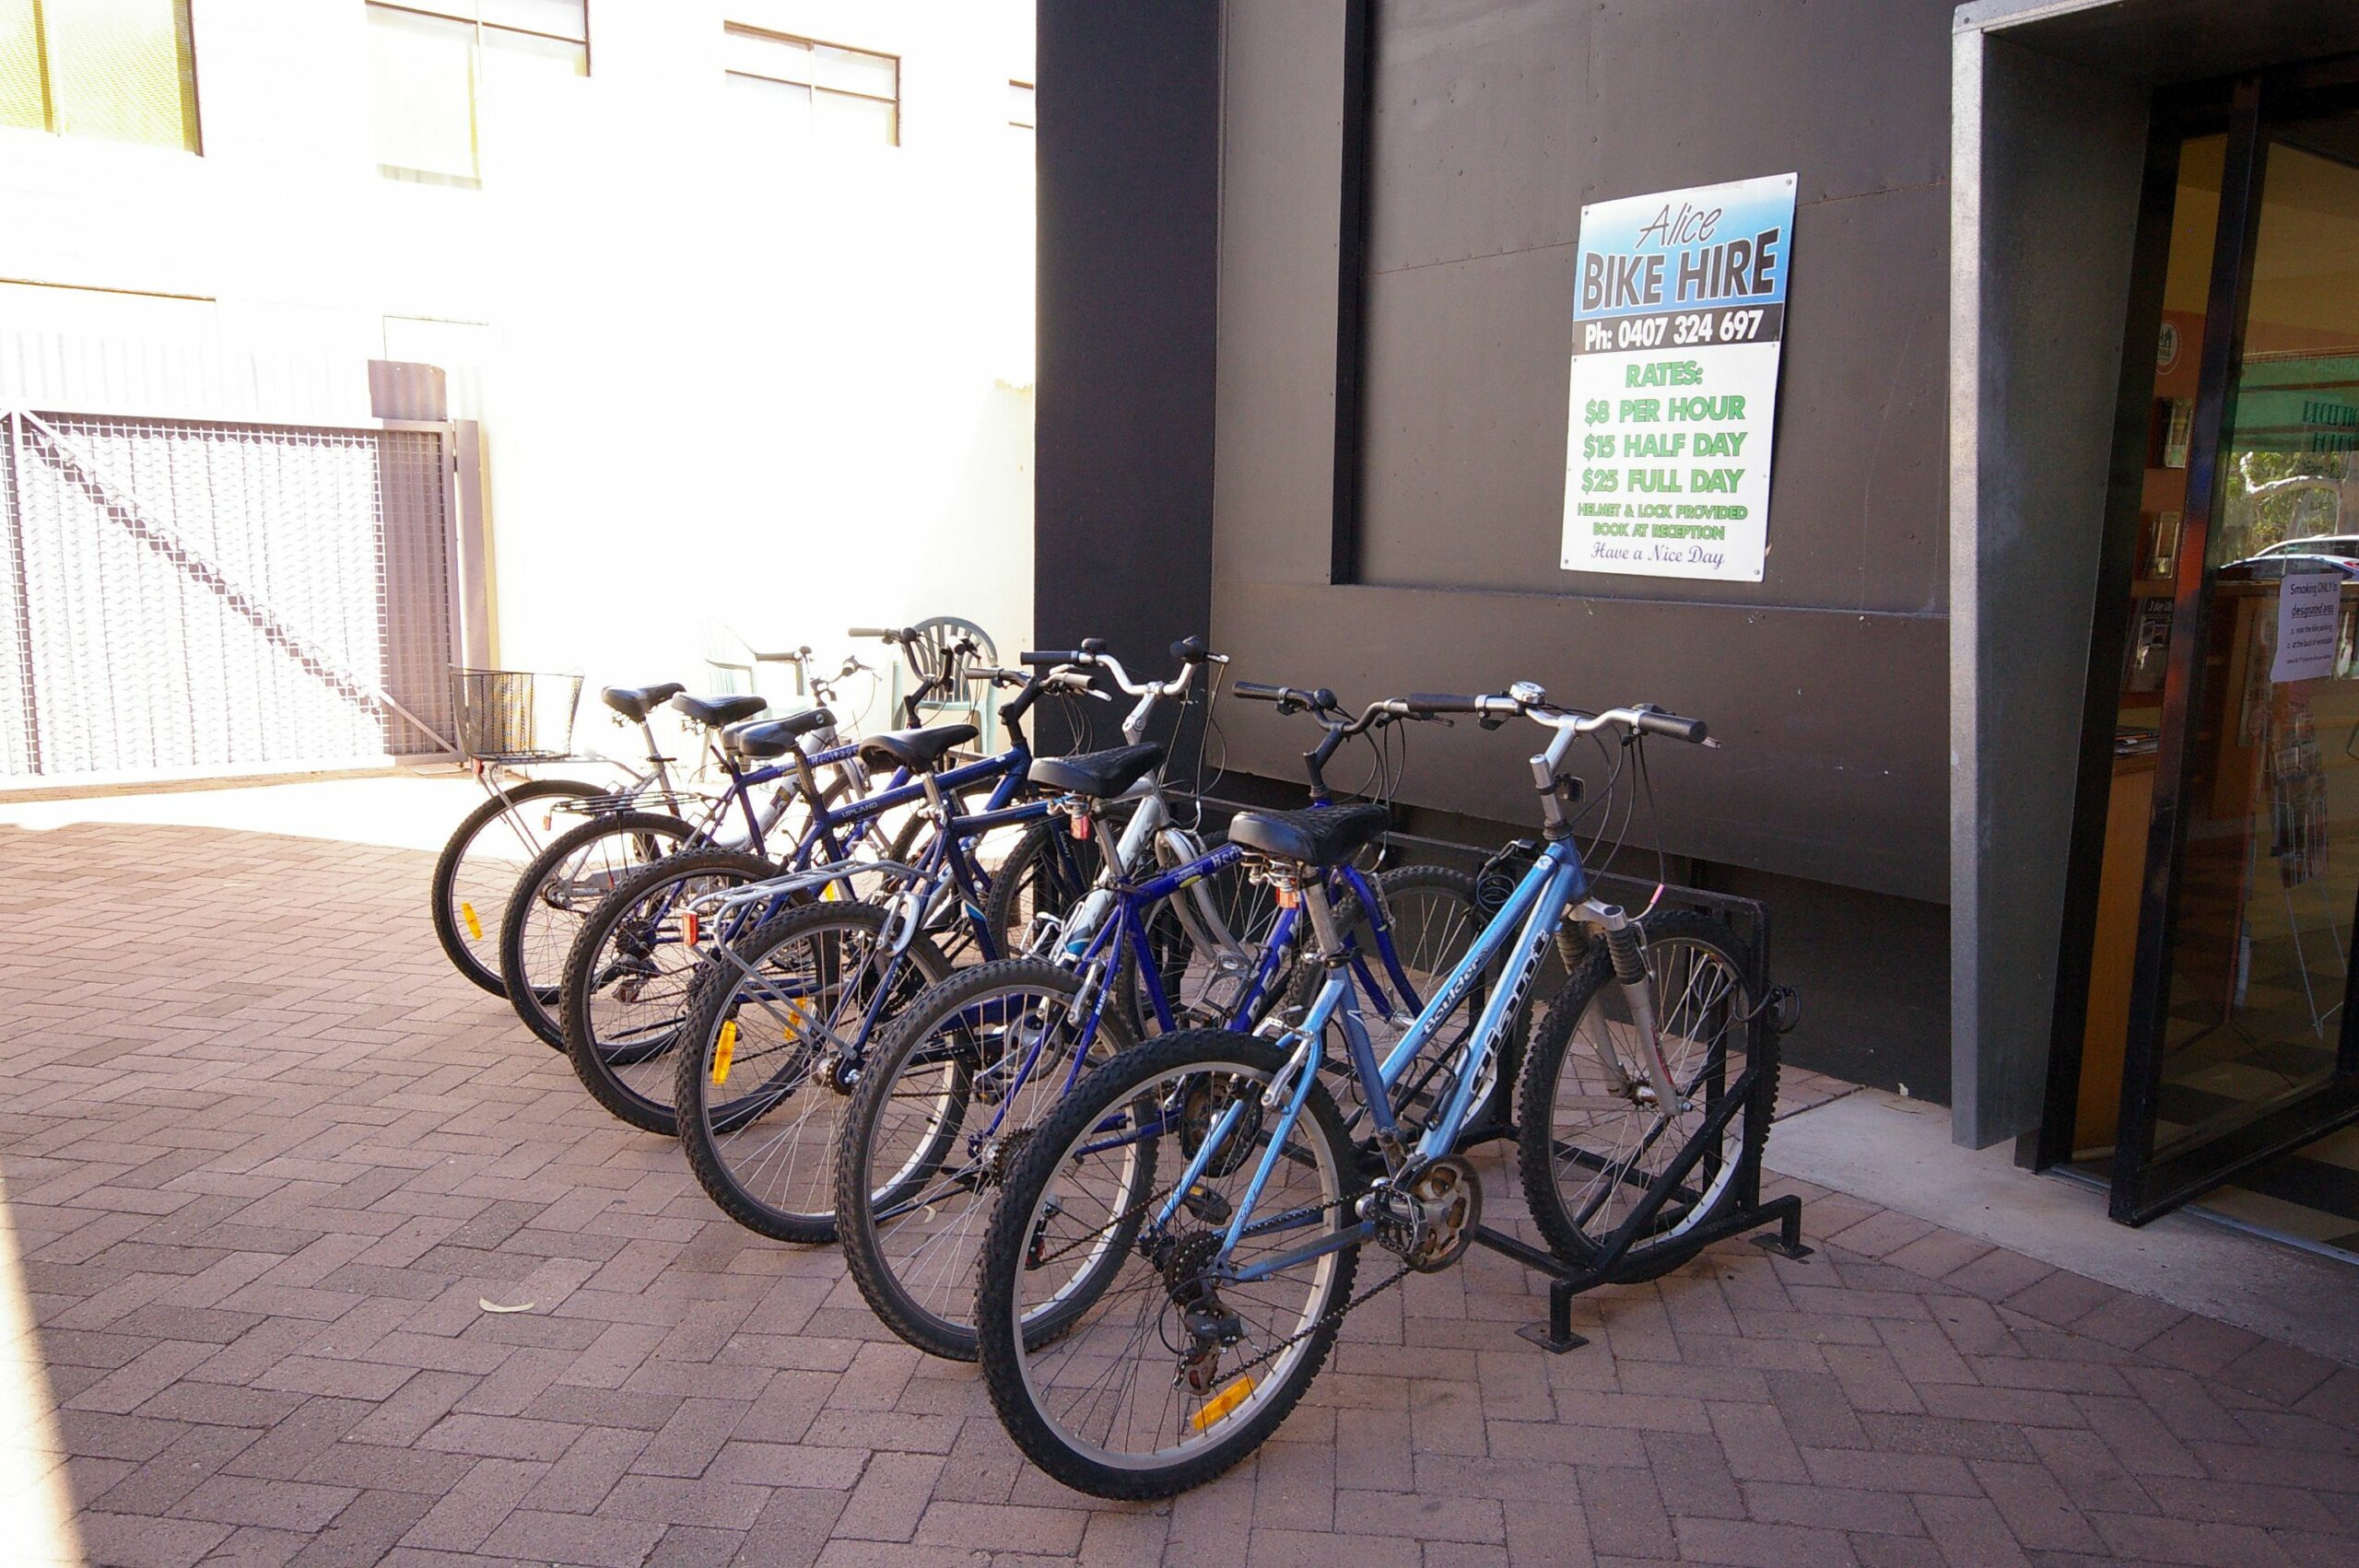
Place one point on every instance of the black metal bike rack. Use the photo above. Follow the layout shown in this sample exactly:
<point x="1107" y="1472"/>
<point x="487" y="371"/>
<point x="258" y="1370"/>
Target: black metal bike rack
<point x="1750" y="1095"/>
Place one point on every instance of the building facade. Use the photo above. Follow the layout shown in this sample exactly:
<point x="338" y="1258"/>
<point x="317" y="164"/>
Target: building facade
<point x="2009" y="474"/>
<point x="737" y="294"/>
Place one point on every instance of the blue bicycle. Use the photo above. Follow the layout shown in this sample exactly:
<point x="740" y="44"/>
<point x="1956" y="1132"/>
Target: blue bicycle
<point x="1175" y="1246"/>
<point x="973" y="1065"/>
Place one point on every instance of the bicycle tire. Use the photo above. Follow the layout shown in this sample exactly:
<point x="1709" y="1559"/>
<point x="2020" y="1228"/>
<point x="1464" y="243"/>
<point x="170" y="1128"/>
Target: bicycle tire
<point x="1024" y="1224"/>
<point x="703" y="1124"/>
<point x="536" y="994"/>
<point x="459" y="919"/>
<point x="1706" y="1064"/>
<point x="940" y="1322"/>
<point x="602" y="1063"/>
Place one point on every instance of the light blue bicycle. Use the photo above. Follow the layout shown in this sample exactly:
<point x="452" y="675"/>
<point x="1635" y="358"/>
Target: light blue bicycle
<point x="1175" y="1247"/>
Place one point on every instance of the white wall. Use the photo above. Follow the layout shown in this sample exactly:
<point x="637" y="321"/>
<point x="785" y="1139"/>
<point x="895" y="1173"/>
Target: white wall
<point x="788" y="389"/>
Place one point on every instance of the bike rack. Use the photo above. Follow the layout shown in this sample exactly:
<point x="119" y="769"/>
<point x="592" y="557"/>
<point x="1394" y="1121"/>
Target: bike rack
<point x="1746" y="1096"/>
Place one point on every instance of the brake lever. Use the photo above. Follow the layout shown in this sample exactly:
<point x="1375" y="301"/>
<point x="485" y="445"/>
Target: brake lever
<point x="1492" y="720"/>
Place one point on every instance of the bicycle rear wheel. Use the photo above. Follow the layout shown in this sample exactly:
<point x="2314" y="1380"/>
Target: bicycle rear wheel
<point x="1169" y="1368"/>
<point x="778" y="1034"/>
<point x="947" y="1103"/>
<point x="1590" y="1142"/>
<point x="628" y="976"/>
<point x="565" y="883"/>
<point x="476" y="871"/>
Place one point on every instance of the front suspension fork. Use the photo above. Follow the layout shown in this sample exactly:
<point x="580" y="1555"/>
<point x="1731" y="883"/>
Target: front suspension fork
<point x="1625" y="948"/>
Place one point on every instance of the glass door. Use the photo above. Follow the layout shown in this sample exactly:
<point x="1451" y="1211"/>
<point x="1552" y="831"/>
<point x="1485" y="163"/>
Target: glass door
<point x="2241" y="1039"/>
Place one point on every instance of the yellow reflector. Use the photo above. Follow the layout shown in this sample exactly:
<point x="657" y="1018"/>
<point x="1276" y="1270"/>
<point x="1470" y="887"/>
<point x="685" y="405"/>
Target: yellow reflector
<point x="727" y="1049"/>
<point x="832" y="894"/>
<point x="474" y="926"/>
<point x="798" y="1015"/>
<point x="1220" y="1404"/>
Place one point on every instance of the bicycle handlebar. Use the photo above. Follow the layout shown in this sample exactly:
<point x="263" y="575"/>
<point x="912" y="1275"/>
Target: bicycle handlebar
<point x="1535" y="706"/>
<point x="1191" y="651"/>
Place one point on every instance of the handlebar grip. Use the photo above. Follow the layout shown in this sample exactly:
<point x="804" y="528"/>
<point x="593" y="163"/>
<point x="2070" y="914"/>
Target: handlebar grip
<point x="1051" y="656"/>
<point x="1191" y="649"/>
<point x="1259" y="692"/>
<point x="1439" y="702"/>
<point x="1674" y="727"/>
<point x="887" y="633"/>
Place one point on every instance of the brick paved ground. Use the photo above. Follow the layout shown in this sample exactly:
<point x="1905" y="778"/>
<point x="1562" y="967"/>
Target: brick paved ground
<point x="264" y="1154"/>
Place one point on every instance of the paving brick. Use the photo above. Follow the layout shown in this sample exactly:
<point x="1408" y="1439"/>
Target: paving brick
<point x="263" y="1186"/>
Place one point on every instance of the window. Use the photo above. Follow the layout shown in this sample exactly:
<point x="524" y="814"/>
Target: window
<point x="120" y="69"/>
<point x="794" y="86"/>
<point x="1020" y="106"/>
<point x="428" y="62"/>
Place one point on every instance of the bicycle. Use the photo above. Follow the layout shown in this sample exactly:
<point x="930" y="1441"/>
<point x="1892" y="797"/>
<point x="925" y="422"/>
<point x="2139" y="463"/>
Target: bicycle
<point x="1177" y="1244"/>
<point x="502" y="725"/>
<point x="564" y="885"/>
<point x="975" y="1063"/>
<point x="801" y="997"/>
<point x="630" y="978"/>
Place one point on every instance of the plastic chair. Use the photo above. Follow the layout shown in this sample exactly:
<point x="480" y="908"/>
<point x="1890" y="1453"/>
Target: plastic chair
<point x="962" y="699"/>
<point x="736" y="667"/>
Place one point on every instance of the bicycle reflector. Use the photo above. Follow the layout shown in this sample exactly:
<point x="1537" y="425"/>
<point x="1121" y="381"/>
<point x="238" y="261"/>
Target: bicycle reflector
<point x="723" y="1052"/>
<point x="691" y="927"/>
<point x="1216" y="1408"/>
<point x="1081" y="825"/>
<point x="474" y="925"/>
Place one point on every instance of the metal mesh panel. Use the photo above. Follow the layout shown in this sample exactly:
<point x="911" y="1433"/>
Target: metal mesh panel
<point x="204" y="595"/>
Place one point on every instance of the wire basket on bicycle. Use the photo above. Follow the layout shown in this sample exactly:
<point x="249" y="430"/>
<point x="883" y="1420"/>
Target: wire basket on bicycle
<point x="514" y="716"/>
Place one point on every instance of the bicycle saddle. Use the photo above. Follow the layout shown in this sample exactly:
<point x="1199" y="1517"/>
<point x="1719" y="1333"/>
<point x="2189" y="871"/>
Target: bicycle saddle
<point x="1323" y="837"/>
<point x="916" y="750"/>
<point x="632" y="702"/>
<point x="774" y="737"/>
<point x="1099" y="775"/>
<point x="714" y="712"/>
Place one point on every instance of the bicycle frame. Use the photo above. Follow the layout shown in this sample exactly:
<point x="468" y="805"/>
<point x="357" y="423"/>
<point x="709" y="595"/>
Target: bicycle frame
<point x="1527" y="923"/>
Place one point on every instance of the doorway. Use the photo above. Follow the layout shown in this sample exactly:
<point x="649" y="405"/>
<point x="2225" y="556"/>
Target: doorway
<point x="2216" y="1030"/>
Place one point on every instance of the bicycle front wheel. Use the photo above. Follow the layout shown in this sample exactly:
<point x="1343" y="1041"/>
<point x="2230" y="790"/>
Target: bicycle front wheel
<point x="628" y="976"/>
<point x="947" y="1103"/>
<point x="778" y="1035"/>
<point x="1592" y="1140"/>
<point x="477" y="870"/>
<point x="1180" y="1356"/>
<point x="565" y="883"/>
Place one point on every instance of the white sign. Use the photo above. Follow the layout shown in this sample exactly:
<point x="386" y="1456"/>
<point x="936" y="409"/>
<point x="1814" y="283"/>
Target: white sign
<point x="1677" y="327"/>
<point x="2310" y="614"/>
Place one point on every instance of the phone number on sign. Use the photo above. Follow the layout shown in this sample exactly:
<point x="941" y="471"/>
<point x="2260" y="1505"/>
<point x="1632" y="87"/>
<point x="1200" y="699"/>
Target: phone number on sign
<point x="1696" y="326"/>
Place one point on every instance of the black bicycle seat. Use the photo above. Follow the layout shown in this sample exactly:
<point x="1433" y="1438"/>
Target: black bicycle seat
<point x="1099" y="775"/>
<point x="774" y="737"/>
<point x="715" y="711"/>
<point x="916" y="750"/>
<point x="1319" y="835"/>
<point x="633" y="702"/>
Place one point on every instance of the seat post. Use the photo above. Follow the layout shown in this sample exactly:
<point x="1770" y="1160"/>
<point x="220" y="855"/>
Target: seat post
<point x="1312" y="888"/>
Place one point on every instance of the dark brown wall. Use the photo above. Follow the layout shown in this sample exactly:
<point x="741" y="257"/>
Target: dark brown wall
<point x="1494" y="122"/>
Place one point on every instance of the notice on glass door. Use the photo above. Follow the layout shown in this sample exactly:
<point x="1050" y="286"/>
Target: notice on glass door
<point x="2309" y="617"/>
<point x="1678" y="320"/>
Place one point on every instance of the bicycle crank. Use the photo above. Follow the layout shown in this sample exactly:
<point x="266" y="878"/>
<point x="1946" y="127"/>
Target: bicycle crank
<point x="1430" y="1222"/>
